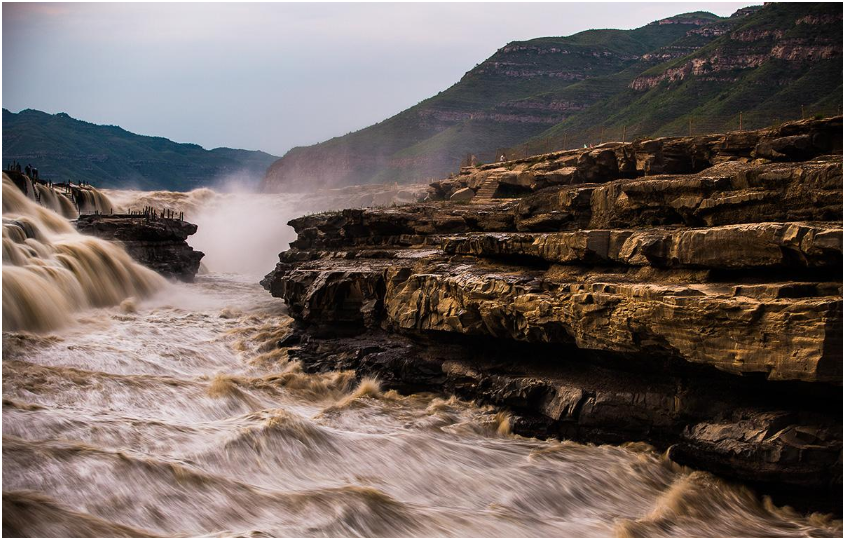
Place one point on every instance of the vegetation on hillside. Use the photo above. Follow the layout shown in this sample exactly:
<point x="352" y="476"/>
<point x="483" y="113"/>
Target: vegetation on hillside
<point x="556" y="92"/>
<point x="64" y="148"/>
<point x="428" y="139"/>
<point x="773" y="92"/>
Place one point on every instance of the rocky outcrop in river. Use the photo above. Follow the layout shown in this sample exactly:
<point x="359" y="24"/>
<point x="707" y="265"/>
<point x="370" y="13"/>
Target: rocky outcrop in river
<point x="686" y="292"/>
<point x="158" y="243"/>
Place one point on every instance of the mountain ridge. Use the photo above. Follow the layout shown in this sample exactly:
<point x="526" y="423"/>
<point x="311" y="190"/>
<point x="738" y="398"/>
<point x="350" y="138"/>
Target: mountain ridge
<point x="514" y="71"/>
<point x="766" y="67"/>
<point x="528" y="94"/>
<point x="65" y="148"/>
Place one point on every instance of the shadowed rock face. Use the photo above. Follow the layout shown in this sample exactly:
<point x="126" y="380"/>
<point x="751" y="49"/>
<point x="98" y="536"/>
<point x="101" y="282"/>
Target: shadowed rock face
<point x="699" y="308"/>
<point x="159" y="244"/>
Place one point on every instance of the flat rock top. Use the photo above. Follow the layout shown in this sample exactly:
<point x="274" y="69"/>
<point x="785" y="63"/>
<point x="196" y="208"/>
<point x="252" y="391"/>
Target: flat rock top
<point x="135" y="228"/>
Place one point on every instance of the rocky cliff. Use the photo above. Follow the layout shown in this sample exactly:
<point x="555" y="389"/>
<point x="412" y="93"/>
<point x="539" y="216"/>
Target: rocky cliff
<point x="685" y="292"/>
<point x="804" y="37"/>
<point x="158" y="243"/>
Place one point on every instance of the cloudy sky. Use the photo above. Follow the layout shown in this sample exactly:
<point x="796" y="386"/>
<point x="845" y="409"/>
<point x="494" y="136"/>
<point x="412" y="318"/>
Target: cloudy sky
<point x="269" y="76"/>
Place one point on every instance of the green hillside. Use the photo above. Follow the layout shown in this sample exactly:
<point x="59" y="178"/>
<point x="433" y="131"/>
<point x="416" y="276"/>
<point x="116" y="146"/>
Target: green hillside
<point x="63" y="148"/>
<point x="694" y="72"/>
<point x="772" y="64"/>
<point x="486" y="110"/>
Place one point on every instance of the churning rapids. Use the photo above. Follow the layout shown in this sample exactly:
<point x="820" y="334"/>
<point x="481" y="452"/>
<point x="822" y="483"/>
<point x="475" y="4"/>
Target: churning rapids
<point x="147" y="408"/>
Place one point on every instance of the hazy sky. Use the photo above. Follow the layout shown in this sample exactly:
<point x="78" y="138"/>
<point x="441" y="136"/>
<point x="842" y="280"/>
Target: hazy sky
<point x="269" y="76"/>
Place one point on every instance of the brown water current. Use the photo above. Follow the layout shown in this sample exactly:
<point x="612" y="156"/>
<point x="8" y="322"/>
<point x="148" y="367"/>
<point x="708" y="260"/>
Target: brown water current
<point x="176" y="414"/>
<point x="51" y="272"/>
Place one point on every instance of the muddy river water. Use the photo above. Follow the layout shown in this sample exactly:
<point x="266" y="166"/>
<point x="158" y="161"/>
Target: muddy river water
<point x="173" y="413"/>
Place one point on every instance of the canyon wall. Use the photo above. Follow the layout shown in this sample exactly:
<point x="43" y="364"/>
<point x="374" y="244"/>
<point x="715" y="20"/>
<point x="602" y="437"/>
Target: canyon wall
<point x="685" y="292"/>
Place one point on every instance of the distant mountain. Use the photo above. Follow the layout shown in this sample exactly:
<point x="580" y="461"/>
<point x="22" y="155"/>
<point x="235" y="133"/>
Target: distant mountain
<point x="567" y="89"/>
<point x="63" y="148"/>
<point x="485" y="110"/>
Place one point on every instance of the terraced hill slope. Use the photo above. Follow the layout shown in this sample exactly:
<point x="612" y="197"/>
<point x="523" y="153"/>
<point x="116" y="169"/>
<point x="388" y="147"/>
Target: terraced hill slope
<point x="485" y="110"/>
<point x="690" y="73"/>
<point x="783" y="61"/>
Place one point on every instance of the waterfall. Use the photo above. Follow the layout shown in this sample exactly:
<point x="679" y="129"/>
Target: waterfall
<point x="91" y="200"/>
<point x="59" y="203"/>
<point x="50" y="271"/>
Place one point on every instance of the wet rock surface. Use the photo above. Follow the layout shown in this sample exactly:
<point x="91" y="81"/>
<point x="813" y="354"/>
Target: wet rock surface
<point x="698" y="307"/>
<point x="739" y="428"/>
<point x="158" y="243"/>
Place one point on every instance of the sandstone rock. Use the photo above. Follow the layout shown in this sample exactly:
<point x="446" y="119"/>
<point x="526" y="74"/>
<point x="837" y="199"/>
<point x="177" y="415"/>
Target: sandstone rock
<point x="463" y="195"/>
<point x="736" y="246"/>
<point x="793" y="141"/>
<point x="682" y="291"/>
<point x="787" y="450"/>
<point x="786" y="339"/>
<point x="725" y="194"/>
<point x="159" y="244"/>
<point x="517" y="179"/>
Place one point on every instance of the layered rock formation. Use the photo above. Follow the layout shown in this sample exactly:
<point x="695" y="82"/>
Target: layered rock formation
<point x="686" y="292"/>
<point x="158" y="243"/>
<point x="802" y="38"/>
<point x="789" y="142"/>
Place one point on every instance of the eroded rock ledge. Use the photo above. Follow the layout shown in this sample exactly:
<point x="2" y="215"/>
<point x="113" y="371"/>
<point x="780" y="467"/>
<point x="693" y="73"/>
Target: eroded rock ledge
<point x="158" y="243"/>
<point x="699" y="309"/>
<point x="789" y="142"/>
